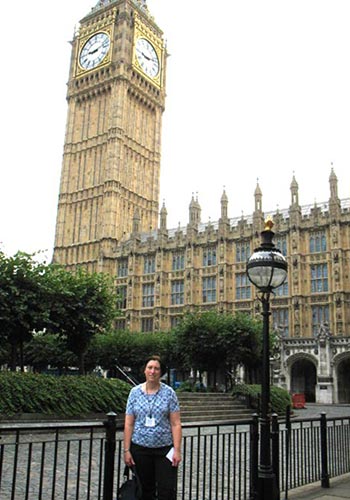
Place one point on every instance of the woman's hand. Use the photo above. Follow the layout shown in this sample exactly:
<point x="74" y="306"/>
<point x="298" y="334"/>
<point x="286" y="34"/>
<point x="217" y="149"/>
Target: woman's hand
<point x="176" y="458"/>
<point x="176" y="430"/>
<point x="128" y="460"/>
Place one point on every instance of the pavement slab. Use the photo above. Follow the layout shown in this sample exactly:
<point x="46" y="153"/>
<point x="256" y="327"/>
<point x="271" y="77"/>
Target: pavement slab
<point x="339" y="489"/>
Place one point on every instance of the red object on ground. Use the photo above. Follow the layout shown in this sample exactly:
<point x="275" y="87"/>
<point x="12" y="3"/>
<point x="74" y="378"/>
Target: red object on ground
<point x="298" y="401"/>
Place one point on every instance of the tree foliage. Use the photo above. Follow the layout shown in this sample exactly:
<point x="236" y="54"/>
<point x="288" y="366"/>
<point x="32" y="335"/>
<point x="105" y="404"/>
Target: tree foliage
<point x="48" y="350"/>
<point x="82" y="305"/>
<point x="64" y="318"/>
<point x="23" y="301"/>
<point x="208" y="342"/>
<point x="212" y="340"/>
<point x="36" y="297"/>
<point x="128" y="349"/>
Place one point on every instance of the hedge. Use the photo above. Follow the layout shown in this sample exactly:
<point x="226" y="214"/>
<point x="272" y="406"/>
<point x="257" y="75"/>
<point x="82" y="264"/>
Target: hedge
<point x="64" y="396"/>
<point x="280" y="398"/>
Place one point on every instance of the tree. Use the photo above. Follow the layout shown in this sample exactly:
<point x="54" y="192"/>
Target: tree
<point x="23" y="304"/>
<point x="83" y="304"/>
<point x="211" y="341"/>
<point x="46" y="349"/>
<point x="199" y="341"/>
<point x="130" y="350"/>
<point x="241" y="340"/>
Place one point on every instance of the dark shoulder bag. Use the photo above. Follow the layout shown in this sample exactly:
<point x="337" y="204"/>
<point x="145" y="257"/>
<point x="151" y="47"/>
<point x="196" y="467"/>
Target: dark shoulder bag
<point x="131" y="487"/>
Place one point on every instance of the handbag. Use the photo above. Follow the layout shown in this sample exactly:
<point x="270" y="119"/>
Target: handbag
<point x="131" y="488"/>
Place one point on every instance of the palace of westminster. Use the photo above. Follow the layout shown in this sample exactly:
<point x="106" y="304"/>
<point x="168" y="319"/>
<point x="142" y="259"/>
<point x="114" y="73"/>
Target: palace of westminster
<point x="109" y="218"/>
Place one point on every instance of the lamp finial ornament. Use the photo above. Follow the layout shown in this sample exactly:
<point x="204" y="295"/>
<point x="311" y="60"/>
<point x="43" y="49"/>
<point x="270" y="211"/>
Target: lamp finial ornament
<point x="268" y="223"/>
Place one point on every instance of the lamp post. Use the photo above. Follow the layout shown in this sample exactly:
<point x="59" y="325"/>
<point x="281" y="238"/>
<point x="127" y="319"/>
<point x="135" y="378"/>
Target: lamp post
<point x="267" y="270"/>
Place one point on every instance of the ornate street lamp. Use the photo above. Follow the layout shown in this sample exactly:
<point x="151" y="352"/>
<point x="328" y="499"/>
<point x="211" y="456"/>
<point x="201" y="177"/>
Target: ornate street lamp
<point x="267" y="270"/>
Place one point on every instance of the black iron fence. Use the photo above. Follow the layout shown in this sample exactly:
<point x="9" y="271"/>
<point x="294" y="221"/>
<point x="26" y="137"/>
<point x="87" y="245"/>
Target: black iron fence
<point x="84" y="461"/>
<point x="313" y="450"/>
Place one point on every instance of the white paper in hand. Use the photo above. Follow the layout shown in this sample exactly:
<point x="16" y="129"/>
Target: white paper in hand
<point x="170" y="454"/>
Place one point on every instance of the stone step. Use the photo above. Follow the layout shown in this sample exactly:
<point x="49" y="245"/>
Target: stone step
<point x="186" y="410"/>
<point x="207" y="407"/>
<point x="215" y="409"/>
<point x="214" y="418"/>
<point x="221" y="411"/>
<point x="203" y="395"/>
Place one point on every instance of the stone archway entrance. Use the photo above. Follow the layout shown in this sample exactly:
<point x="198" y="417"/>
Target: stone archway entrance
<point x="344" y="381"/>
<point x="303" y="379"/>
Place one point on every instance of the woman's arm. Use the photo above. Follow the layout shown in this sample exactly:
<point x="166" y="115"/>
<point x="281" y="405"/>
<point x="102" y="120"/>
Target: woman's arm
<point x="128" y="430"/>
<point x="176" y="431"/>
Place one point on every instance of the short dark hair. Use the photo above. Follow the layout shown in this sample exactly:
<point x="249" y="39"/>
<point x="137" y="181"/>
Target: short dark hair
<point x="156" y="357"/>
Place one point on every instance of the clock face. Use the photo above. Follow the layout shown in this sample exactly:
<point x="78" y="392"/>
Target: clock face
<point x="147" y="57"/>
<point x="94" y="50"/>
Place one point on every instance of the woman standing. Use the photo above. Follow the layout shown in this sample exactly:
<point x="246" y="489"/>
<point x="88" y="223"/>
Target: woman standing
<point x="152" y="433"/>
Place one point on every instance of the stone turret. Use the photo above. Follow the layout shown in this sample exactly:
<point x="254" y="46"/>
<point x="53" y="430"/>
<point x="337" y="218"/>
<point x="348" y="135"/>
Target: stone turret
<point x="334" y="202"/>
<point x="163" y="219"/>
<point x="194" y="213"/>
<point x="224" y="205"/>
<point x="258" y="216"/>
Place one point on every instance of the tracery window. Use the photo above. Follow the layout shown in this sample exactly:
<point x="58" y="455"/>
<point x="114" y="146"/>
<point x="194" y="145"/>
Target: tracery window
<point x="121" y="297"/>
<point x="320" y="317"/>
<point x="177" y="292"/>
<point x="243" y="287"/>
<point x="149" y="264"/>
<point x="280" y="321"/>
<point x="209" y="257"/>
<point x="147" y="325"/>
<point x="318" y="242"/>
<point x="122" y="268"/>
<point x="148" y="295"/>
<point x="178" y="261"/>
<point x="281" y="243"/>
<point x="242" y="251"/>
<point x="209" y="289"/>
<point x="319" y="278"/>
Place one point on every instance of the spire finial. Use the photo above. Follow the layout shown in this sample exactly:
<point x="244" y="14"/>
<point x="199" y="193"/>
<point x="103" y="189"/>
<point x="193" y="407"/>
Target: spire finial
<point x="268" y="223"/>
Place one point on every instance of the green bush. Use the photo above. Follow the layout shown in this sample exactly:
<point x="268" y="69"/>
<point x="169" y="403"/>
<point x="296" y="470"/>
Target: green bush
<point x="188" y="386"/>
<point x="65" y="396"/>
<point x="280" y="398"/>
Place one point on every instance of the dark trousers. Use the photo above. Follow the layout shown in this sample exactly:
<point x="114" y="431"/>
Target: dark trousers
<point x="156" y="472"/>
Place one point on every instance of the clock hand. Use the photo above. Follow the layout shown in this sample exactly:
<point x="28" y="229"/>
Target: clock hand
<point x="97" y="47"/>
<point x="153" y="59"/>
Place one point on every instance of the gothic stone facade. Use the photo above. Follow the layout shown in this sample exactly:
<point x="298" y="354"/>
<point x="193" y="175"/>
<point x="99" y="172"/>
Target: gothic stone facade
<point x="108" y="208"/>
<point x="165" y="273"/>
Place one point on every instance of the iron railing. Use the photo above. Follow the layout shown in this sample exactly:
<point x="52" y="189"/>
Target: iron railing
<point x="84" y="461"/>
<point x="311" y="450"/>
<point x="216" y="462"/>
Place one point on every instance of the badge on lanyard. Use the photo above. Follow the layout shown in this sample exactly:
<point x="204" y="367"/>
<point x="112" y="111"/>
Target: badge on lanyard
<point x="150" y="422"/>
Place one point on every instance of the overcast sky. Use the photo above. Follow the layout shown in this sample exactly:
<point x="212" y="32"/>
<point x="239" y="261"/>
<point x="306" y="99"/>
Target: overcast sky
<point x="256" y="89"/>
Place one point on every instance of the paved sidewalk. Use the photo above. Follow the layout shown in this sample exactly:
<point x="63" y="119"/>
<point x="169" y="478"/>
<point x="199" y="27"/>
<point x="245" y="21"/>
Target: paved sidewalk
<point x="339" y="489"/>
<point x="339" y="486"/>
<point x="312" y="410"/>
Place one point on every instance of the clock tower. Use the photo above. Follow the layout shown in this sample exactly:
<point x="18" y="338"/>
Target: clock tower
<point x="111" y="160"/>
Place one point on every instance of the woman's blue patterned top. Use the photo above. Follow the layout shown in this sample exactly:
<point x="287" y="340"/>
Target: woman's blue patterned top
<point x="157" y="406"/>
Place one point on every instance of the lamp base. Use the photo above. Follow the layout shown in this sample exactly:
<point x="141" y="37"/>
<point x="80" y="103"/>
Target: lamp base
<point x="267" y="486"/>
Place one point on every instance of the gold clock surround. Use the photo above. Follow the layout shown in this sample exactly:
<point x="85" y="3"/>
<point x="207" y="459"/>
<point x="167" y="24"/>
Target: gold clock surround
<point x="141" y="32"/>
<point x="82" y="43"/>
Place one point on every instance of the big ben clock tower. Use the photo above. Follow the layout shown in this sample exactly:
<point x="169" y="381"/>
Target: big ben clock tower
<point x="111" y="160"/>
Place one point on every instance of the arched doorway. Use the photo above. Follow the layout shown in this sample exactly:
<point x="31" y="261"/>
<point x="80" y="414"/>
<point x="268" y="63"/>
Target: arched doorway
<point x="344" y="381"/>
<point x="303" y="379"/>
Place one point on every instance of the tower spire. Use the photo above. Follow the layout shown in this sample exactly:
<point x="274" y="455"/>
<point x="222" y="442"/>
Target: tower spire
<point x="142" y="4"/>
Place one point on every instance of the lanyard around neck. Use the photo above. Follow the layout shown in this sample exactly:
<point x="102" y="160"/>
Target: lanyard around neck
<point x="151" y="401"/>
